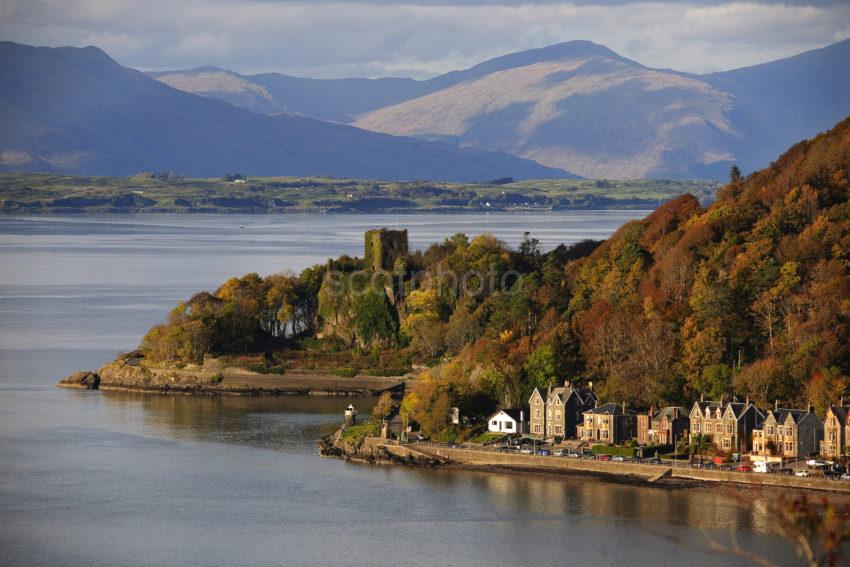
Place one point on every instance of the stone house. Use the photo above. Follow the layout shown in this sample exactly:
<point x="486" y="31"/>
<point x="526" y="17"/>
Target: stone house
<point x="788" y="433"/>
<point x="664" y="427"/>
<point x="730" y="424"/>
<point x="836" y="434"/>
<point x="609" y="424"/>
<point x="557" y="415"/>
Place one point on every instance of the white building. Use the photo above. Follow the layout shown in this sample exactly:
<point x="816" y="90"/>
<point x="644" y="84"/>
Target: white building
<point x="508" y="421"/>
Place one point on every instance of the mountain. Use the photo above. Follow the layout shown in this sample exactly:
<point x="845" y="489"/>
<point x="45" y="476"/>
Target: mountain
<point x="581" y="105"/>
<point x="338" y="100"/>
<point x="76" y="110"/>
<point x="577" y="106"/>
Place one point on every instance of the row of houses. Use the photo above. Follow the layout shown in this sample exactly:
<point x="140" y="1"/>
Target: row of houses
<point x="574" y="412"/>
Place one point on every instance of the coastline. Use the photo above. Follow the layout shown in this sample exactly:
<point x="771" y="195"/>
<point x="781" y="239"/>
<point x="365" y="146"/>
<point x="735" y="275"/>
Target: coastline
<point x="212" y="379"/>
<point x="374" y="450"/>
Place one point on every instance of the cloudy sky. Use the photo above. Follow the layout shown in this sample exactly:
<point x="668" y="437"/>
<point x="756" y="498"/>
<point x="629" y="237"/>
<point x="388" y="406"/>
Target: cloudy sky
<point x="421" y="38"/>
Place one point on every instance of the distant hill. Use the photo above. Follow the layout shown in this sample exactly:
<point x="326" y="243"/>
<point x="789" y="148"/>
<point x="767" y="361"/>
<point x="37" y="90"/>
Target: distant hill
<point x="77" y="111"/>
<point x="590" y="111"/>
<point x="577" y="106"/>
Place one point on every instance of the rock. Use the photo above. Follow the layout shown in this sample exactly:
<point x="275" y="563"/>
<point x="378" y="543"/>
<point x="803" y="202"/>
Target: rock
<point x="84" y="380"/>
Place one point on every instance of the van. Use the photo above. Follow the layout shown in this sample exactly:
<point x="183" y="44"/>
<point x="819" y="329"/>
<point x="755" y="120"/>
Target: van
<point x="764" y="467"/>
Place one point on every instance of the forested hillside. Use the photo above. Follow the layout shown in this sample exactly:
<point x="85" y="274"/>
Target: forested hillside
<point x="748" y="297"/>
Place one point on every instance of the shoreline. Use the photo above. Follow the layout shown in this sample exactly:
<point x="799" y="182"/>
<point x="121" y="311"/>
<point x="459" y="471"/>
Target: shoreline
<point x="375" y="450"/>
<point x="215" y="379"/>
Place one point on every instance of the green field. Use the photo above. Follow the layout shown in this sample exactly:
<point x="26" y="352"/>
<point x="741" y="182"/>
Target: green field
<point x="148" y="193"/>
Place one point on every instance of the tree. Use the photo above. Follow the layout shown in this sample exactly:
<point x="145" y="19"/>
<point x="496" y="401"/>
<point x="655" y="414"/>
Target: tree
<point x="383" y="408"/>
<point x="735" y="175"/>
<point x="373" y="317"/>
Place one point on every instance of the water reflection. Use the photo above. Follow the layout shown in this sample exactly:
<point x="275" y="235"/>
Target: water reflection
<point x="278" y="422"/>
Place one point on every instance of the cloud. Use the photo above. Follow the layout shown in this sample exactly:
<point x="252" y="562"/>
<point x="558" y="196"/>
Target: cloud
<point x="419" y="38"/>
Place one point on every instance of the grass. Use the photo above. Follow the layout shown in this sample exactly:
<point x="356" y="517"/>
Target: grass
<point x="46" y="193"/>
<point x="486" y="437"/>
<point x="357" y="432"/>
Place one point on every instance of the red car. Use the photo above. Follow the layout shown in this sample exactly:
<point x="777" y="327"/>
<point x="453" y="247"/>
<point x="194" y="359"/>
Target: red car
<point x="603" y="457"/>
<point x="743" y="468"/>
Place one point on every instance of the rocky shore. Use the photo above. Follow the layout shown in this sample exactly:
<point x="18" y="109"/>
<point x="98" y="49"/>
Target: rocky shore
<point x="214" y="378"/>
<point x="372" y="450"/>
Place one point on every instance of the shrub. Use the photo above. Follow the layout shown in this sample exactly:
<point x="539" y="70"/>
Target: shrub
<point x="216" y="378"/>
<point x="345" y="372"/>
<point x="360" y="431"/>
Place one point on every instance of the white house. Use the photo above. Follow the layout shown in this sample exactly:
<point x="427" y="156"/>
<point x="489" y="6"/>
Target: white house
<point x="508" y="421"/>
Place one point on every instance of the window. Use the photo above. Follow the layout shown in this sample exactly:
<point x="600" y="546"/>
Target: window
<point x="557" y="415"/>
<point x="696" y="427"/>
<point x="605" y="434"/>
<point x="789" y="431"/>
<point x="494" y="422"/>
<point x="537" y="428"/>
<point x="770" y="430"/>
<point x="509" y="426"/>
<point x="726" y="443"/>
<point x="729" y="428"/>
<point x="548" y="413"/>
<point x="719" y="428"/>
<point x="558" y="430"/>
<point x="537" y="414"/>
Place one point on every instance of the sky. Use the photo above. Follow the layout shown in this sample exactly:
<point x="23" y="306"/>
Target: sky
<point x="419" y="38"/>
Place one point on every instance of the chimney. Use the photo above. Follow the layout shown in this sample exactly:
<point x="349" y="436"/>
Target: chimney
<point x="721" y="399"/>
<point x="747" y="402"/>
<point x="810" y="407"/>
<point x="590" y="385"/>
<point x="676" y="413"/>
<point x="624" y="407"/>
<point x="775" y="405"/>
<point x="595" y="403"/>
<point x="701" y="397"/>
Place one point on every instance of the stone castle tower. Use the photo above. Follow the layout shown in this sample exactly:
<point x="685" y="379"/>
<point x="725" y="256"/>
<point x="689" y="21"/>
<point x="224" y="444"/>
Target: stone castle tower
<point x="383" y="247"/>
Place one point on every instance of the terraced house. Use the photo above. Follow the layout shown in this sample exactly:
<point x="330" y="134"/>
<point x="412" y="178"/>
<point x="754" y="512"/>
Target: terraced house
<point x="836" y="434"/>
<point x="730" y="424"/>
<point x="663" y="427"/>
<point x="557" y="415"/>
<point x="609" y="424"/>
<point x="788" y="433"/>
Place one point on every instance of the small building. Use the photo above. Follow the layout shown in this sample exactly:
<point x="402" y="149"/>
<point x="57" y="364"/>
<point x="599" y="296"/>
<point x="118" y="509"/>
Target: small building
<point x="557" y="415"/>
<point x="730" y="424"/>
<point x="788" y="433"/>
<point x="836" y="434"/>
<point x="508" y="421"/>
<point x="664" y="427"/>
<point x="609" y="424"/>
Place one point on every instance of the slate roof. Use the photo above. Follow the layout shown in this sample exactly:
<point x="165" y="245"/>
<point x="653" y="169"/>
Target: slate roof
<point x="610" y="409"/>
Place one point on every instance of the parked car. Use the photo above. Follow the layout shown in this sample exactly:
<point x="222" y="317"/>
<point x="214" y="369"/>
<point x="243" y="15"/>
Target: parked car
<point x="744" y="468"/>
<point x="603" y="457"/>
<point x="786" y="471"/>
<point x="618" y="459"/>
<point x="526" y="451"/>
<point x="845" y="476"/>
<point x="559" y="452"/>
<point x="802" y="473"/>
<point x="544" y="452"/>
<point x="653" y="461"/>
<point x="573" y="455"/>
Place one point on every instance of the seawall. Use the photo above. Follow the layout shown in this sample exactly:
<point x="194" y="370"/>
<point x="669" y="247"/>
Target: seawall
<point x="478" y="458"/>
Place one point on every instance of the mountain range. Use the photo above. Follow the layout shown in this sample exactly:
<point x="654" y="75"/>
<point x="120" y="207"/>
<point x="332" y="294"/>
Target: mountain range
<point x="75" y="110"/>
<point x="576" y="106"/>
<point x="572" y="108"/>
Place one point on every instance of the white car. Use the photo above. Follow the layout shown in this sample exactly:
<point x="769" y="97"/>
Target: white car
<point x="618" y="459"/>
<point x="801" y="473"/>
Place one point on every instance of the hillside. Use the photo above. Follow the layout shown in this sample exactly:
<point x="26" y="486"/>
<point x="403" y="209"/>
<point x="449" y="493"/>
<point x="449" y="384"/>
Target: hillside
<point x="77" y="111"/>
<point x="600" y="115"/>
<point x="749" y="297"/>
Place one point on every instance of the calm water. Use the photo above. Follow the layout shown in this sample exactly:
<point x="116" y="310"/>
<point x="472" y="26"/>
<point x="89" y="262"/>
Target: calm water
<point x="97" y="478"/>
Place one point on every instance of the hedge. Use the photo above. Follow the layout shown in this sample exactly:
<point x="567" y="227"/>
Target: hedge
<point x="613" y="450"/>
